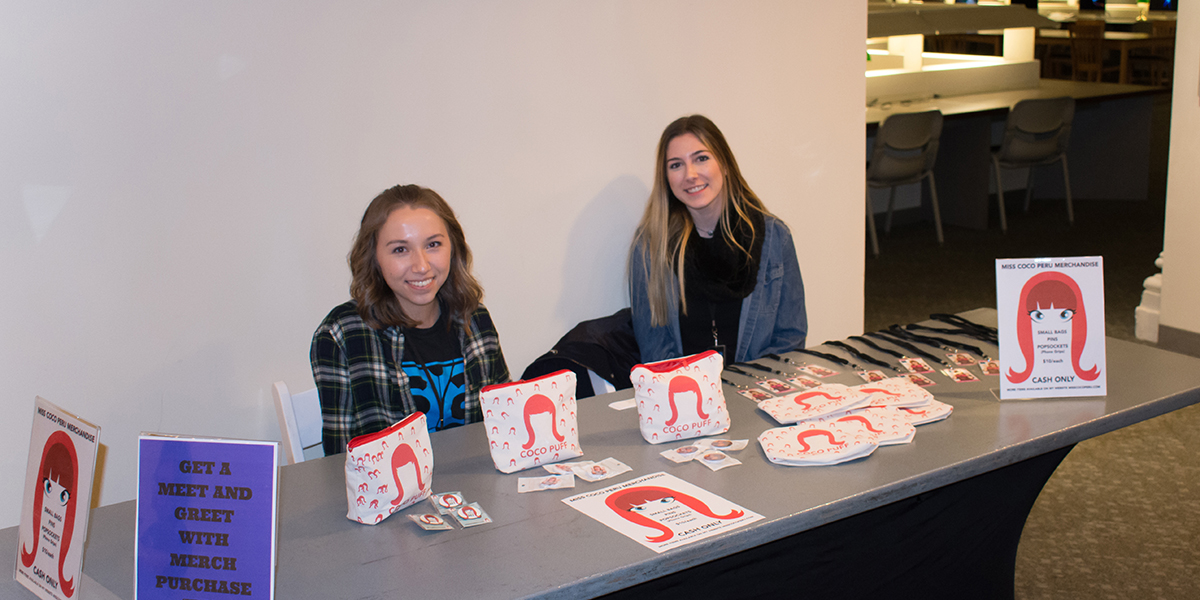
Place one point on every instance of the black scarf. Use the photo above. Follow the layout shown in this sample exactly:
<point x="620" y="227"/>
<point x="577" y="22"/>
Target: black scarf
<point x="719" y="270"/>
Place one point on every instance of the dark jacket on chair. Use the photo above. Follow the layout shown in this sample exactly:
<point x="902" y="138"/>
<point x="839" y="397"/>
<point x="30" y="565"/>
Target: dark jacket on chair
<point x="605" y="345"/>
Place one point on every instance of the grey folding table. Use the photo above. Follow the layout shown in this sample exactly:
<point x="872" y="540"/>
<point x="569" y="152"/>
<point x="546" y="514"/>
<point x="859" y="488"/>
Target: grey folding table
<point x="940" y="513"/>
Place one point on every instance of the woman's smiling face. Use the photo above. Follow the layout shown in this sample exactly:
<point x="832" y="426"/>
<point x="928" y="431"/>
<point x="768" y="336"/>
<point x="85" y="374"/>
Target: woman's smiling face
<point x="413" y="251"/>
<point x="695" y="177"/>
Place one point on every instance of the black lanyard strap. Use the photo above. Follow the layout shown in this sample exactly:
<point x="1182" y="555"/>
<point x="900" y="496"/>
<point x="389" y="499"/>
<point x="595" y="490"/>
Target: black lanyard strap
<point x="963" y="332"/>
<point x="742" y="373"/>
<point x="829" y="357"/>
<point x="440" y="397"/>
<point x="859" y="338"/>
<point x="883" y="335"/>
<point x="861" y="356"/>
<point x="954" y="345"/>
<point x="900" y="332"/>
<point x="964" y="323"/>
<point x="758" y="367"/>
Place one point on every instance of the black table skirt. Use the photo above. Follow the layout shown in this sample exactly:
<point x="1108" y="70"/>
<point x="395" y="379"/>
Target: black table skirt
<point x="958" y="541"/>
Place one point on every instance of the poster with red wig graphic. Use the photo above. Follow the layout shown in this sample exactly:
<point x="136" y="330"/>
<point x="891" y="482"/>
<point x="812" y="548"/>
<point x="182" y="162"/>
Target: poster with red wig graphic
<point x="1050" y="314"/>
<point x="57" y="500"/>
<point x="660" y="511"/>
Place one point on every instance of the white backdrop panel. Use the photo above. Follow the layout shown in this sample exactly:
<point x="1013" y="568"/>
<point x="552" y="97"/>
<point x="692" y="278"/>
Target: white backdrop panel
<point x="182" y="180"/>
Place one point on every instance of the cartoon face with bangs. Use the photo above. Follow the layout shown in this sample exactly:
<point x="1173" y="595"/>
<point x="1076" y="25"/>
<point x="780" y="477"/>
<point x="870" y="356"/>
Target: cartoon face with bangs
<point x="58" y="478"/>
<point x="642" y="504"/>
<point x="1051" y="301"/>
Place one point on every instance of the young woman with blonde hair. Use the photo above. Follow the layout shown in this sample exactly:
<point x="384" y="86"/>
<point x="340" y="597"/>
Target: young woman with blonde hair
<point x="414" y="336"/>
<point x="710" y="266"/>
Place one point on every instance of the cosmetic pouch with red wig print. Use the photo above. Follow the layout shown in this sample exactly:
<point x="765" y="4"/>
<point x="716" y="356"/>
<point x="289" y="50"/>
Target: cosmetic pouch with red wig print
<point x="531" y="423"/>
<point x="388" y="470"/>
<point x="680" y="398"/>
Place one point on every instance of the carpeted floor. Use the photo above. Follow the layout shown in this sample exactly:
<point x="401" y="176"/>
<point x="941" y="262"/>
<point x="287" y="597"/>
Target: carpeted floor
<point x="1120" y="518"/>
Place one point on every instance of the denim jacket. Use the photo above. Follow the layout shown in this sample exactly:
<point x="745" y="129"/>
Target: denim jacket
<point x="773" y="317"/>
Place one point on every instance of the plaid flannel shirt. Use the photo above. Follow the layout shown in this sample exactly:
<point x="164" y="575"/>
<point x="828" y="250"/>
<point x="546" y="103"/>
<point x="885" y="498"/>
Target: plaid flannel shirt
<point x="360" y="382"/>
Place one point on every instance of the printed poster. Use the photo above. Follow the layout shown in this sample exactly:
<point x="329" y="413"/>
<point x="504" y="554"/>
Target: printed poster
<point x="206" y="516"/>
<point x="1051" y="318"/>
<point x="660" y="511"/>
<point x="57" y="500"/>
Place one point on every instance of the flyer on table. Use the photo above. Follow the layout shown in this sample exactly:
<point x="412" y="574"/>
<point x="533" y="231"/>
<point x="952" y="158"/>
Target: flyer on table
<point x="1051" y="318"/>
<point x="206" y="513"/>
<point x="57" y="500"/>
<point x="660" y="511"/>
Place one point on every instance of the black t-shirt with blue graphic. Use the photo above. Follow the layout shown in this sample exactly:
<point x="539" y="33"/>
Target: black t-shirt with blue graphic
<point x="433" y="362"/>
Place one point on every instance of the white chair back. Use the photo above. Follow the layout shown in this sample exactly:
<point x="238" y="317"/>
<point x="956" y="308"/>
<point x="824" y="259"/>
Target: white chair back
<point x="299" y="422"/>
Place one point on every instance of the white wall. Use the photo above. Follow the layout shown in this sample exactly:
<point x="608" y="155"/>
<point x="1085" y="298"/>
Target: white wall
<point x="182" y="180"/>
<point x="1181" y="244"/>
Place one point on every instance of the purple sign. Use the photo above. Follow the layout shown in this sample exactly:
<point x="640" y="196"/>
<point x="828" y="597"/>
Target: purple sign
<point x="205" y="518"/>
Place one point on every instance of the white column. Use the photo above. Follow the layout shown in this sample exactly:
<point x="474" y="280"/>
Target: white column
<point x="910" y="47"/>
<point x="1018" y="43"/>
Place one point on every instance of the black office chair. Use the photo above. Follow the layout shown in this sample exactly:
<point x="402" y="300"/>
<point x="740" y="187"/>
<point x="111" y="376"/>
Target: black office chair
<point x="905" y="151"/>
<point x="1036" y="133"/>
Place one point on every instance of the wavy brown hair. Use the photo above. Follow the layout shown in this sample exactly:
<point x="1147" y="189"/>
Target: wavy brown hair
<point x="666" y="226"/>
<point x="377" y="303"/>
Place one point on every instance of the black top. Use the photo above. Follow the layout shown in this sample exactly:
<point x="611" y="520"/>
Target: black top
<point x="696" y="327"/>
<point x="434" y="364"/>
<point x="717" y="278"/>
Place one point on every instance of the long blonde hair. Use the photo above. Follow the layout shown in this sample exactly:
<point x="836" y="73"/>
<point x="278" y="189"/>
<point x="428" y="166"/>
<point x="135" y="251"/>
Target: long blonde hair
<point x="666" y="226"/>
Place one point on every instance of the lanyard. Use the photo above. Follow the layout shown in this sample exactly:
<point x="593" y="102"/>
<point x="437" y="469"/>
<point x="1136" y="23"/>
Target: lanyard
<point x="907" y="346"/>
<point x="982" y="332"/>
<point x="859" y="338"/>
<point x="862" y="356"/>
<point x="829" y="357"/>
<point x="440" y="397"/>
<point x="947" y="345"/>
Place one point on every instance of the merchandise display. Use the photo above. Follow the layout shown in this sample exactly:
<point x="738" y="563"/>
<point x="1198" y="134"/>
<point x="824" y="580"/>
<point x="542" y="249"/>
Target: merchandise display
<point x="548" y="482"/>
<point x="388" y="470"/>
<point x="891" y="338"/>
<point x="814" y="403"/>
<point x="680" y="399"/>
<point x="590" y="470"/>
<point x="430" y="522"/>
<point x="530" y="423"/>
<point x="935" y="411"/>
<point x="989" y="459"/>
<point x="832" y="423"/>
<point x="798" y="446"/>
<point x="862" y="356"/>
<point x="880" y="417"/>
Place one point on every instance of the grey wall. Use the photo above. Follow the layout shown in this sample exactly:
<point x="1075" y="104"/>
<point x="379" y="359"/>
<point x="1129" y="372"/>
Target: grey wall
<point x="182" y="180"/>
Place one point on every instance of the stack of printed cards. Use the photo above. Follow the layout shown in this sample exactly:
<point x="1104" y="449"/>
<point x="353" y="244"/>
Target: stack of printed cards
<point x="889" y="415"/>
<point x="815" y="444"/>
<point x="881" y="424"/>
<point x="814" y="403"/>
<point x="468" y="514"/>
<point x="936" y="411"/>
<point x="708" y="452"/>
<point x="896" y="392"/>
<point x="549" y="482"/>
<point x="588" y="470"/>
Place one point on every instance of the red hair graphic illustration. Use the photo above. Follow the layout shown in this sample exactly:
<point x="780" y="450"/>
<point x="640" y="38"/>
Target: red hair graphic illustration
<point x="861" y="419"/>
<point x="828" y="435"/>
<point x="538" y="404"/>
<point x="879" y="391"/>
<point x="1037" y="296"/>
<point x="404" y="456"/>
<point x="626" y="501"/>
<point x="59" y="464"/>
<point x="682" y="384"/>
<point x="800" y="398"/>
